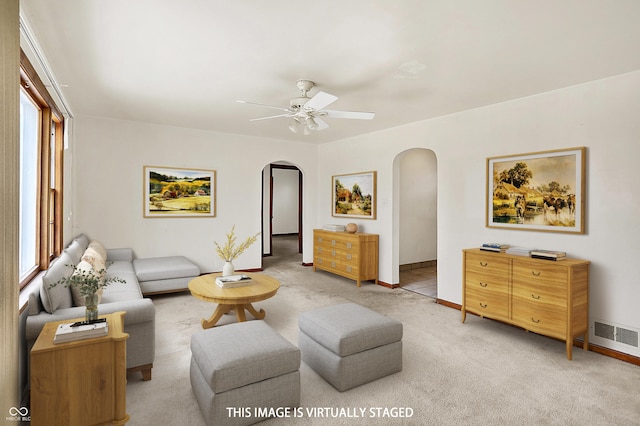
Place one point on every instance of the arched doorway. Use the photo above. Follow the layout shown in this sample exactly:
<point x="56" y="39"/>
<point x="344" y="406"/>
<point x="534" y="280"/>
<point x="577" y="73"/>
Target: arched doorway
<point x="417" y="176"/>
<point x="281" y="212"/>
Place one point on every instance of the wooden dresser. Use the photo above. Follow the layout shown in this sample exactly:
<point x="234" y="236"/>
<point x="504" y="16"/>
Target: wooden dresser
<point x="80" y="382"/>
<point x="353" y="256"/>
<point x="543" y="296"/>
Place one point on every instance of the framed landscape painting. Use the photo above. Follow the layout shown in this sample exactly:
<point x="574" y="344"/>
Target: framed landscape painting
<point x="354" y="195"/>
<point x="172" y="192"/>
<point x="540" y="191"/>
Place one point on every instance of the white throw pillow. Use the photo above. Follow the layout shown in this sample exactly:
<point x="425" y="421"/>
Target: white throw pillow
<point x="95" y="259"/>
<point x="97" y="246"/>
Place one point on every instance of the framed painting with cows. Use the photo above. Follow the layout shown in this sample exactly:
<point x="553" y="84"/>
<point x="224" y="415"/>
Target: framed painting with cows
<point x="172" y="192"/>
<point x="354" y="195"/>
<point x="539" y="191"/>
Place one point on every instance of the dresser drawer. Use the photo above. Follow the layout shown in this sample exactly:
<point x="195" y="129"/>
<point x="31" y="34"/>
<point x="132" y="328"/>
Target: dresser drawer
<point x="338" y="241"/>
<point x="543" y="318"/>
<point x="486" y="302"/>
<point x="495" y="267"/>
<point x="540" y="292"/>
<point x="346" y="256"/>
<point x="540" y="274"/>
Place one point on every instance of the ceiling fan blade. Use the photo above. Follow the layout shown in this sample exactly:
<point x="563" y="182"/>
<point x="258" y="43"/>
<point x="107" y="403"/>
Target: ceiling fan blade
<point x="266" y="106"/>
<point x="319" y="101"/>
<point x="272" y="116"/>
<point x="348" y="114"/>
<point x="321" y="123"/>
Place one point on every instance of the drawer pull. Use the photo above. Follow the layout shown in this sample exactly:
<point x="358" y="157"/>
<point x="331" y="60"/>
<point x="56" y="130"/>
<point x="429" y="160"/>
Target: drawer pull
<point x="333" y="252"/>
<point x="333" y="264"/>
<point x="535" y="320"/>
<point x="535" y="297"/>
<point x="348" y="256"/>
<point x="319" y="239"/>
<point x="348" y="245"/>
<point x="319" y="249"/>
<point x="483" y="284"/>
<point x="483" y="305"/>
<point x="333" y="242"/>
<point x="349" y="268"/>
<point x="537" y="274"/>
<point x="483" y="264"/>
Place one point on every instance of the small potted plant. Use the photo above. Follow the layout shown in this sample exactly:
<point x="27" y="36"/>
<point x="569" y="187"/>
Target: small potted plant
<point x="228" y="252"/>
<point x="88" y="282"/>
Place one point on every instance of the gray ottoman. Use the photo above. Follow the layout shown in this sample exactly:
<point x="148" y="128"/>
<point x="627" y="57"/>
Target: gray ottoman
<point x="164" y="274"/>
<point x="350" y="345"/>
<point x="245" y="366"/>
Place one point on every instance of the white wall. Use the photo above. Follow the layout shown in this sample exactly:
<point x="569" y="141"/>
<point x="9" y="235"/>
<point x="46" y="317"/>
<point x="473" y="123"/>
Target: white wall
<point x="108" y="161"/>
<point x="108" y="157"/>
<point x="285" y="201"/>
<point x="600" y="115"/>
<point x="418" y="219"/>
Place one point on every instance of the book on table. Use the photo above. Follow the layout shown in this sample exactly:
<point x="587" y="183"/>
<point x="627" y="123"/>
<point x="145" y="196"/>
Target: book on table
<point x="69" y="332"/>
<point x="231" y="281"/>
<point x="497" y="247"/>
<point x="548" y="254"/>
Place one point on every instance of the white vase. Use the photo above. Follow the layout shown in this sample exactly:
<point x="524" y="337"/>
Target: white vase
<point x="227" y="269"/>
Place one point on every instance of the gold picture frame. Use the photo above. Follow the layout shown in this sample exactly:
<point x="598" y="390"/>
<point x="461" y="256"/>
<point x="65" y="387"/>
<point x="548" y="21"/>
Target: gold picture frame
<point x="539" y="191"/>
<point x="354" y="195"/>
<point x="175" y="192"/>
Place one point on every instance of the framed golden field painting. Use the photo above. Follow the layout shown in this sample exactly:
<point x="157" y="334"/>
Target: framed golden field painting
<point x="173" y="192"/>
<point x="354" y="195"/>
<point x="540" y="191"/>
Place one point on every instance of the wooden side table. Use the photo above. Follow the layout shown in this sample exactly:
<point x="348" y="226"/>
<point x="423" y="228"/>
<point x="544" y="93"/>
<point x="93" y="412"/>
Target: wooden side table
<point x="80" y="382"/>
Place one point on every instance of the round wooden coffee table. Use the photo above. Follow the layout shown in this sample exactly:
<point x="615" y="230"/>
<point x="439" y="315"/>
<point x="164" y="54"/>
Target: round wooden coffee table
<point x="261" y="287"/>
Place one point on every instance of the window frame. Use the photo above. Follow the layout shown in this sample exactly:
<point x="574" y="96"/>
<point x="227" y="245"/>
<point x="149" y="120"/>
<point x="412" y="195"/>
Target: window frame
<point x="51" y="170"/>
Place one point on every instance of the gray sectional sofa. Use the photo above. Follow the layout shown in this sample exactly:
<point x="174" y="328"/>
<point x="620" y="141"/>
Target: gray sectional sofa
<point x="53" y="304"/>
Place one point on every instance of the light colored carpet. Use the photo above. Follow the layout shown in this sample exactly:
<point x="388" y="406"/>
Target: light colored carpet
<point x="479" y="372"/>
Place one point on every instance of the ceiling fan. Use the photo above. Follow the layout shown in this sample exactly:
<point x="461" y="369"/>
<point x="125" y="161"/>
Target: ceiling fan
<point x="307" y="113"/>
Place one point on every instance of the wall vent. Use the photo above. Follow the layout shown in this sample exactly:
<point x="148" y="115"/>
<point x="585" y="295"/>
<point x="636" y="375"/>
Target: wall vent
<point x="629" y="337"/>
<point x="605" y="331"/>
<point x="616" y="333"/>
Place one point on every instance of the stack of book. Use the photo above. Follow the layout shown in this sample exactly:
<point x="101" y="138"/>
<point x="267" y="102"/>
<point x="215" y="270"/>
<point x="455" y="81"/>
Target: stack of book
<point x="334" y="228"/>
<point x="72" y="331"/>
<point x="548" y="254"/>
<point x="232" y="281"/>
<point x="519" y="251"/>
<point x="500" y="248"/>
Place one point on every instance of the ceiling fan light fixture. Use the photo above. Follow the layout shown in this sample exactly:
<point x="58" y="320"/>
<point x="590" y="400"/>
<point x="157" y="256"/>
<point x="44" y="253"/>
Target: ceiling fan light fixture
<point x="312" y="124"/>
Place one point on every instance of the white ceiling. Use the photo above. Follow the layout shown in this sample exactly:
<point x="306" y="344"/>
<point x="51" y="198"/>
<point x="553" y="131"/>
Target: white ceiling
<point x="185" y="63"/>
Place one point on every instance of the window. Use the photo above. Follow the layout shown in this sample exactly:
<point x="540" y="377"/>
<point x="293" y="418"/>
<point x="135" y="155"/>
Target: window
<point x="29" y="171"/>
<point x="41" y="169"/>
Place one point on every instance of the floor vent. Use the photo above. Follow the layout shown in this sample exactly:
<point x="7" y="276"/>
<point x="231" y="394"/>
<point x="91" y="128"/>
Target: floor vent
<point x="616" y="333"/>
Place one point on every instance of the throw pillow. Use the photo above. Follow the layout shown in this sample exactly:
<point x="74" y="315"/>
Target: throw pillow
<point x="75" y="251"/>
<point x="94" y="258"/>
<point x="58" y="296"/>
<point x="97" y="246"/>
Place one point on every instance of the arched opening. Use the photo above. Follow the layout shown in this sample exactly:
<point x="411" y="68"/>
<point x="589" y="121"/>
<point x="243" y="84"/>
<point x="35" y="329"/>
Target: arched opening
<point x="417" y="226"/>
<point x="281" y="213"/>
